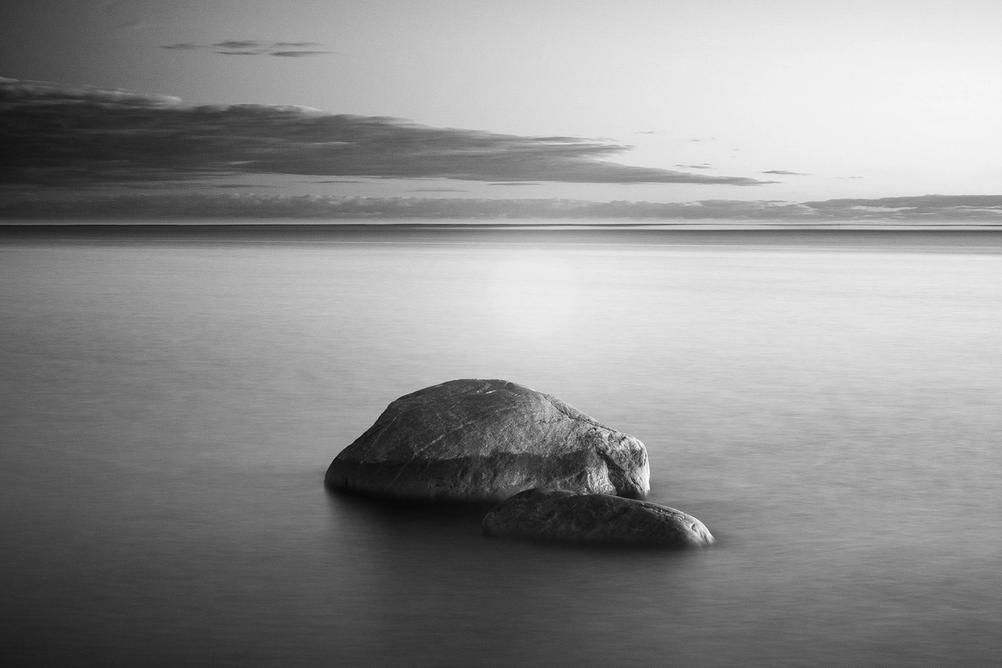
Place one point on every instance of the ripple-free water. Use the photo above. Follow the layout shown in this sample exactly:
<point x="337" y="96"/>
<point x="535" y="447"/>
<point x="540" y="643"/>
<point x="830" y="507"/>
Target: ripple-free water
<point x="169" y="409"/>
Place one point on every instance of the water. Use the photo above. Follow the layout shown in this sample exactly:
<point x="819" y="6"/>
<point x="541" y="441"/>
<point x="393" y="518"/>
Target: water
<point x="829" y="407"/>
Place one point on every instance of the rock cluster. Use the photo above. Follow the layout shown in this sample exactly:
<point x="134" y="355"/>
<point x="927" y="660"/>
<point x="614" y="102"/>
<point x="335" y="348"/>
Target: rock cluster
<point x="559" y="474"/>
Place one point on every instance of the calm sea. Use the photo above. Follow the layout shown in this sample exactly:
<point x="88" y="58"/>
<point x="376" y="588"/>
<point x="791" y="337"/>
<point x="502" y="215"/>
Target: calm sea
<point x="830" y="406"/>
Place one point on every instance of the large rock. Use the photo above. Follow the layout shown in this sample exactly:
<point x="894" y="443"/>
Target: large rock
<point x="593" y="518"/>
<point x="484" y="440"/>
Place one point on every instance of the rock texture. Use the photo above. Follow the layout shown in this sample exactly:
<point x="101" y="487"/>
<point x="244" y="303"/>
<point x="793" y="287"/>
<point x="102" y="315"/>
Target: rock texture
<point x="485" y="440"/>
<point x="593" y="518"/>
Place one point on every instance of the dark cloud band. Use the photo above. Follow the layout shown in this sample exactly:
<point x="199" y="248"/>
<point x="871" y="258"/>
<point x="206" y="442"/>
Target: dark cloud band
<point x="253" y="47"/>
<point x="56" y="135"/>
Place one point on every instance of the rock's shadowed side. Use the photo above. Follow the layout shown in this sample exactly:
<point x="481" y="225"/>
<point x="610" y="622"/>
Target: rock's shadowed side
<point x="485" y="440"/>
<point x="593" y="518"/>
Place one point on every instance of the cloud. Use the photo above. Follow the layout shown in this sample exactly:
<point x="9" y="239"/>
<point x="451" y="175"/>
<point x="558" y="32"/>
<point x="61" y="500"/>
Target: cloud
<point x="947" y="207"/>
<point x="242" y="186"/>
<point x="926" y="209"/>
<point x="254" y="47"/>
<point x="704" y="165"/>
<point x="240" y="44"/>
<point x="255" y="205"/>
<point x="18" y="96"/>
<point x="57" y="135"/>
<point x="784" y="172"/>
<point x="298" y="54"/>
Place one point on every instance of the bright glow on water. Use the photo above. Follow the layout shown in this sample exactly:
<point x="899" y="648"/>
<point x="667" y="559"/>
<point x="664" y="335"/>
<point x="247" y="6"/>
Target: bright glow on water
<point x="532" y="293"/>
<point x="168" y="412"/>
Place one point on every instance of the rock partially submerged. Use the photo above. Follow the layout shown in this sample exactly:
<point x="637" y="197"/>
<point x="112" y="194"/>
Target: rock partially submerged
<point x="485" y="440"/>
<point x="558" y="515"/>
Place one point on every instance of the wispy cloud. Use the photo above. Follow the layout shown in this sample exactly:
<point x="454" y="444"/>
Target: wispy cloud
<point x="784" y="172"/>
<point x="254" y="47"/>
<point x="55" y="135"/>
<point x="298" y="54"/>
<point x="240" y="44"/>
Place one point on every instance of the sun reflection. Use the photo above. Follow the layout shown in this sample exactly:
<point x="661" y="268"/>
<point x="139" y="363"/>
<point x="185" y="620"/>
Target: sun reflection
<point x="532" y="293"/>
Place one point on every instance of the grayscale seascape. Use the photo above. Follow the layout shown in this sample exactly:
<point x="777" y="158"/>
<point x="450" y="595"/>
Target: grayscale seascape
<point x="828" y="404"/>
<point x="746" y="256"/>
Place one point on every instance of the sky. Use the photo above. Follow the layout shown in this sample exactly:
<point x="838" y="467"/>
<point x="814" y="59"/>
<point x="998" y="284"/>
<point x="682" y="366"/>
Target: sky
<point x="722" y="108"/>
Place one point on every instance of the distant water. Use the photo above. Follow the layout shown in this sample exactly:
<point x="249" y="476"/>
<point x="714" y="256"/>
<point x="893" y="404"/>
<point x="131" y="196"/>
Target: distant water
<point x="830" y="406"/>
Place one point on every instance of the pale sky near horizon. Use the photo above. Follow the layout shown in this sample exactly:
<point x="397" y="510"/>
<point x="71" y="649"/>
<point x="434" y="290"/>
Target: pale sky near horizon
<point x="828" y="99"/>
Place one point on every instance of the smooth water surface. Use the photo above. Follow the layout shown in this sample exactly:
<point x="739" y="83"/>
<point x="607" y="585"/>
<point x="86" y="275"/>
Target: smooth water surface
<point x="168" y="409"/>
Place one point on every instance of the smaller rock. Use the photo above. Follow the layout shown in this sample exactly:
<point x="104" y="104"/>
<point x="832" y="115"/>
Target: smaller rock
<point x="559" y="515"/>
